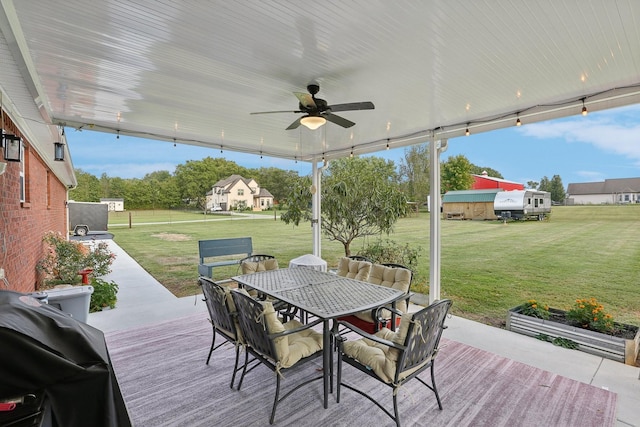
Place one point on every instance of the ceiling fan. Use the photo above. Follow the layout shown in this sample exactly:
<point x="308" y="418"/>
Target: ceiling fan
<point x="317" y="111"/>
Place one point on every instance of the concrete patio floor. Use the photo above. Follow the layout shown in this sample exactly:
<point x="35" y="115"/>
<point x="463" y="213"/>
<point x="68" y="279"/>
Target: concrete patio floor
<point x="143" y="300"/>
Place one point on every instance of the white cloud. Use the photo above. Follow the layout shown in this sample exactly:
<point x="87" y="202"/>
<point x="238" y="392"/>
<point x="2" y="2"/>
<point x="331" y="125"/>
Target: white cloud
<point x="614" y="131"/>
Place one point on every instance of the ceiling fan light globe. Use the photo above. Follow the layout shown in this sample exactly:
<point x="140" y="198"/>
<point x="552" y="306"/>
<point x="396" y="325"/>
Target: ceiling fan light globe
<point x="313" y="122"/>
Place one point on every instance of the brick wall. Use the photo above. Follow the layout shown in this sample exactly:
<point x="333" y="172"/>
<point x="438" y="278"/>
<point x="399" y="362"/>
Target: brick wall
<point x="22" y="225"/>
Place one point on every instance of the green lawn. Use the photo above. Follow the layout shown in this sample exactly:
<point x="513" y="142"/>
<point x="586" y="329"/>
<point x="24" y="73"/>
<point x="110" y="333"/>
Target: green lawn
<point x="487" y="266"/>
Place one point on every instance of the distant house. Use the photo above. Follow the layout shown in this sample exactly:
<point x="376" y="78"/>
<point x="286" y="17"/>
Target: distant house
<point x="607" y="192"/>
<point x="469" y="204"/>
<point x="484" y="181"/>
<point x="115" y="205"/>
<point x="237" y="192"/>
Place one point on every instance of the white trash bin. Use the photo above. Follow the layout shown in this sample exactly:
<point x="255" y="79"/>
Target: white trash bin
<point x="74" y="300"/>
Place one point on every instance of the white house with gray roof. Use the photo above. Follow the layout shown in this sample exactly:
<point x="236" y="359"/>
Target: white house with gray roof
<point x="607" y="192"/>
<point x="237" y="192"/>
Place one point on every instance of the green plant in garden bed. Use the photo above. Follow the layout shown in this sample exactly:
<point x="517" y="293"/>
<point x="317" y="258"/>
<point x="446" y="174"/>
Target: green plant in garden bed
<point x="534" y="309"/>
<point x="589" y="314"/>
<point x="104" y="294"/>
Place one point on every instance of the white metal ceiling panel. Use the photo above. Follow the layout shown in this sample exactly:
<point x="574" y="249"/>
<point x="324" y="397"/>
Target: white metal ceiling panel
<point x="193" y="70"/>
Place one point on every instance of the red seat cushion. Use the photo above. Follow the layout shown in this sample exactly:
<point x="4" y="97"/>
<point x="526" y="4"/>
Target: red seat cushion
<point x="365" y="326"/>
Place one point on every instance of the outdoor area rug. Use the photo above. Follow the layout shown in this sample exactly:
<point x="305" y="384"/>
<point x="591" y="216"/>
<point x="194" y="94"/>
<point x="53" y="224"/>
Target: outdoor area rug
<point x="165" y="382"/>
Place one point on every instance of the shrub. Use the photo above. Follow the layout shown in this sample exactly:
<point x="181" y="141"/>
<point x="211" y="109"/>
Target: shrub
<point x="589" y="314"/>
<point x="64" y="258"/>
<point x="388" y="251"/>
<point x="104" y="294"/>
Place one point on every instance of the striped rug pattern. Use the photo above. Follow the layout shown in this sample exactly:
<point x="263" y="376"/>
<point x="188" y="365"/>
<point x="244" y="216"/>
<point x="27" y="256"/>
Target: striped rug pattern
<point x="165" y="382"/>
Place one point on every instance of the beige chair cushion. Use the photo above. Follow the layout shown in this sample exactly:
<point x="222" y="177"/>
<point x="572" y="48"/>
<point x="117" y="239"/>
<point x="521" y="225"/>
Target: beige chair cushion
<point x="253" y="267"/>
<point x="391" y="277"/>
<point x="249" y="267"/>
<point x="290" y="348"/>
<point x="352" y="269"/>
<point x="381" y="358"/>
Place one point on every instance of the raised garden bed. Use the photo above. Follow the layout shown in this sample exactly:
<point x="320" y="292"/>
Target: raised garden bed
<point x="622" y="347"/>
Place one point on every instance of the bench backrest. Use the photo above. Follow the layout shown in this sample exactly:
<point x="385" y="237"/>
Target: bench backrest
<point x="222" y="247"/>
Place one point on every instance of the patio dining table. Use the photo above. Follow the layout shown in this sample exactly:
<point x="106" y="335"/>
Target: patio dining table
<point x="324" y="295"/>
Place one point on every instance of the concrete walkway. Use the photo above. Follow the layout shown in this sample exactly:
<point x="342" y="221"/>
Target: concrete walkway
<point x="143" y="300"/>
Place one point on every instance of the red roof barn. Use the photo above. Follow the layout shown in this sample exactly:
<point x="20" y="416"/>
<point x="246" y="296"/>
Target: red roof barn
<point x="484" y="181"/>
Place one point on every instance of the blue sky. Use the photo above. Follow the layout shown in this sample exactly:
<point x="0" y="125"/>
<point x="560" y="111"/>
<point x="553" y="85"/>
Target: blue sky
<point x="602" y="145"/>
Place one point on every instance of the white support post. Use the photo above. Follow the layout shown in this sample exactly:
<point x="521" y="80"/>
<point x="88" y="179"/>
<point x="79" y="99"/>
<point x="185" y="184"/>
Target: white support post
<point x="435" y="149"/>
<point x="315" y="208"/>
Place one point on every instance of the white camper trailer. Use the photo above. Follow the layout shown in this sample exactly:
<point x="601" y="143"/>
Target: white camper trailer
<point x="522" y="204"/>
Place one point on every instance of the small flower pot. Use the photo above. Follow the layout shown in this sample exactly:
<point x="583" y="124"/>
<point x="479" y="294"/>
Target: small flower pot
<point x="623" y="350"/>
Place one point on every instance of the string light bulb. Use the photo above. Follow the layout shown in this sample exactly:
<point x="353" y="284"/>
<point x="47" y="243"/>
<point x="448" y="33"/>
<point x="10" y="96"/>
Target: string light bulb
<point x="466" y="132"/>
<point x="351" y="155"/>
<point x="387" y="144"/>
<point x="584" y="108"/>
<point x="518" y="122"/>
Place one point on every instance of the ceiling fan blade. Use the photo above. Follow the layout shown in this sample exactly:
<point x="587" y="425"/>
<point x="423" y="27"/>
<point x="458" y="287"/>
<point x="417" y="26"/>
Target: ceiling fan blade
<point x="295" y="124"/>
<point x="271" y="112"/>
<point x="306" y="99"/>
<point x="352" y="106"/>
<point x="340" y="121"/>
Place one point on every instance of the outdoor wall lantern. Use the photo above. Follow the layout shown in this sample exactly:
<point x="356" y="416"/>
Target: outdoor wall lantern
<point x="12" y="148"/>
<point x="58" y="151"/>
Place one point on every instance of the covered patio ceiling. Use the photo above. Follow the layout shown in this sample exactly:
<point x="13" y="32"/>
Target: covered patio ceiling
<point x="193" y="71"/>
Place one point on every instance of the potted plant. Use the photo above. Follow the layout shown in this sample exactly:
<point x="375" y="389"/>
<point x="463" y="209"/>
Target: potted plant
<point x="104" y="294"/>
<point x="62" y="267"/>
<point x="586" y="326"/>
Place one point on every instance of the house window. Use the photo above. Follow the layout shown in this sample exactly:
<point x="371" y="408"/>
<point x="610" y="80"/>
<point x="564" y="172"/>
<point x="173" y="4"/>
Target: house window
<point x="261" y="202"/>
<point x="240" y="192"/>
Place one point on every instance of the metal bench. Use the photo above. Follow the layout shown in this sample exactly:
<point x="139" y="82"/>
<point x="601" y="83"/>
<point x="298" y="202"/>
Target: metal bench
<point x="213" y="248"/>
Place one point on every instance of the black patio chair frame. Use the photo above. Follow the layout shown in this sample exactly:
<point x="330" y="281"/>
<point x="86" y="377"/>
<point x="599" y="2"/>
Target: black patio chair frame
<point x="418" y="350"/>
<point x="260" y="343"/>
<point x="360" y="258"/>
<point x="223" y="321"/>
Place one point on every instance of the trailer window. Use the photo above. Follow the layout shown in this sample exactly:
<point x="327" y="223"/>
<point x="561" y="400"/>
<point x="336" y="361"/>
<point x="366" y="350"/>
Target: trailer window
<point x="536" y="202"/>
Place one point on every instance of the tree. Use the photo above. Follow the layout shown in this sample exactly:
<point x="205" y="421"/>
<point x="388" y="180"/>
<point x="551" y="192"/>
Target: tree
<point x="360" y="197"/>
<point x="196" y="177"/>
<point x="456" y="174"/>
<point x="553" y="186"/>
<point x="478" y="170"/>
<point x="414" y="172"/>
<point x="532" y="184"/>
<point x="88" y="189"/>
<point x="277" y="181"/>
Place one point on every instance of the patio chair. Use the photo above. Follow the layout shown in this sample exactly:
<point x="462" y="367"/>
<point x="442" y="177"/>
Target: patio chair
<point x="258" y="262"/>
<point x="223" y="318"/>
<point x="354" y="269"/>
<point x="261" y="262"/>
<point x="278" y="346"/>
<point x="395" y="358"/>
<point x="394" y="276"/>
